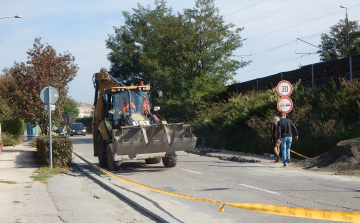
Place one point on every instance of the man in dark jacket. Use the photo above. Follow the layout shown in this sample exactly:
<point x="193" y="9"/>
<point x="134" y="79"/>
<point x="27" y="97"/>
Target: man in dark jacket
<point x="285" y="136"/>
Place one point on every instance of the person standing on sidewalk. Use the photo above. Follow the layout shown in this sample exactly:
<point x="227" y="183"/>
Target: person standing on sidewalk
<point x="285" y="136"/>
<point x="274" y="130"/>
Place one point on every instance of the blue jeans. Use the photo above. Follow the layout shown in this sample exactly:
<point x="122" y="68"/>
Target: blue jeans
<point x="285" y="148"/>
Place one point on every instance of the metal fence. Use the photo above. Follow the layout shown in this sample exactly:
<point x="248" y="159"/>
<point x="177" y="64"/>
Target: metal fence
<point x="311" y="75"/>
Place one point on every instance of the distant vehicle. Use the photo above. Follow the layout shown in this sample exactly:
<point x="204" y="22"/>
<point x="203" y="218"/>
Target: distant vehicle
<point x="62" y="131"/>
<point x="77" y="128"/>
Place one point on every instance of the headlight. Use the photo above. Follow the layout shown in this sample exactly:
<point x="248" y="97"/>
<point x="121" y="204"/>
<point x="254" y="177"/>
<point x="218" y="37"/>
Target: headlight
<point x="135" y="123"/>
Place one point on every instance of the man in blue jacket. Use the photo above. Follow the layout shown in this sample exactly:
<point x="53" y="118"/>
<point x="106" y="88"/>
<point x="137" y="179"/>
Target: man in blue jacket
<point x="285" y="136"/>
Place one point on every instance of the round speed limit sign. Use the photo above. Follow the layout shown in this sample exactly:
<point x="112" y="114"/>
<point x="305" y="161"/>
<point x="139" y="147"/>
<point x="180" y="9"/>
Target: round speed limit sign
<point x="284" y="88"/>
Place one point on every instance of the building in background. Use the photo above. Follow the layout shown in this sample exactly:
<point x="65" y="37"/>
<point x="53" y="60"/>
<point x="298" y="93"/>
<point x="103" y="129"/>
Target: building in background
<point x="30" y="132"/>
<point x="85" y="110"/>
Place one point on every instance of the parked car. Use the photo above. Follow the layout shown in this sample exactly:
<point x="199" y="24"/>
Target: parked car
<point x="77" y="129"/>
<point x="61" y="131"/>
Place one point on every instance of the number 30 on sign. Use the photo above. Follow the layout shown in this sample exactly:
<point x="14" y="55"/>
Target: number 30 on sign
<point x="284" y="88"/>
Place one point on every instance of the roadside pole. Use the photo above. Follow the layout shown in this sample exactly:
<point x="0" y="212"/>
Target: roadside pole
<point x="48" y="96"/>
<point x="50" y="140"/>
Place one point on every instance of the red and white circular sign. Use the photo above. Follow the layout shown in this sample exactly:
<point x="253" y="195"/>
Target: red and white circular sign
<point x="284" y="88"/>
<point x="285" y="105"/>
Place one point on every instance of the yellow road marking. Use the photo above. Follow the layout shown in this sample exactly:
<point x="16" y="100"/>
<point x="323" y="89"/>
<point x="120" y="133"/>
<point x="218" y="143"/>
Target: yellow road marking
<point x="344" y="216"/>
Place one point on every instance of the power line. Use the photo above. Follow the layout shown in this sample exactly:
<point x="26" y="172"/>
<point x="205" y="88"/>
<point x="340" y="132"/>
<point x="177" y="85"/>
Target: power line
<point x="272" y="64"/>
<point x="84" y="94"/>
<point x="244" y="8"/>
<point x="298" y="24"/>
<point x="281" y="46"/>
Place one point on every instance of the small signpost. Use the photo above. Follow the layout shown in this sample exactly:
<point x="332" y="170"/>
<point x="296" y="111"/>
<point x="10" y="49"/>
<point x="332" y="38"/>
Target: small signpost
<point x="49" y="96"/>
<point x="284" y="89"/>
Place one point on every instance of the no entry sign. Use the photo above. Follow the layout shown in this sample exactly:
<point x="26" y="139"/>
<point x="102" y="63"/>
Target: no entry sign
<point x="285" y="105"/>
<point x="284" y="88"/>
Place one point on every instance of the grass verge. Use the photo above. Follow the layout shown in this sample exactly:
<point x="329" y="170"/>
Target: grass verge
<point x="46" y="172"/>
<point x="8" y="182"/>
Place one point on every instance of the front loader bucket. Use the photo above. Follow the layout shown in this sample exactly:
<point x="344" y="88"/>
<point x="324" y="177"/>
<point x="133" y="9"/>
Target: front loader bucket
<point x="144" y="139"/>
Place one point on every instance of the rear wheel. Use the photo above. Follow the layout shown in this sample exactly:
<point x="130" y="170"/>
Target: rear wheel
<point x="101" y="147"/>
<point x="110" y="156"/>
<point x="169" y="161"/>
<point x="153" y="160"/>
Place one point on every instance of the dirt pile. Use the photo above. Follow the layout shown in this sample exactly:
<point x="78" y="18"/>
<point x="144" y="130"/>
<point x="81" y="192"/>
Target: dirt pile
<point x="344" y="159"/>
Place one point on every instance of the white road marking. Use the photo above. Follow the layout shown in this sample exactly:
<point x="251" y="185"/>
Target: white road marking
<point x="271" y="192"/>
<point x="192" y="171"/>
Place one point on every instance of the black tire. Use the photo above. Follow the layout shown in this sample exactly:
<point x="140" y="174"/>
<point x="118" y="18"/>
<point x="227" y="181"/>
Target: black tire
<point x="101" y="147"/>
<point x="112" y="164"/>
<point x="169" y="161"/>
<point x="153" y="160"/>
<point x="71" y="135"/>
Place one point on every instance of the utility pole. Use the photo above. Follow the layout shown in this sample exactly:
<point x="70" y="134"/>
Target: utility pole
<point x="347" y="53"/>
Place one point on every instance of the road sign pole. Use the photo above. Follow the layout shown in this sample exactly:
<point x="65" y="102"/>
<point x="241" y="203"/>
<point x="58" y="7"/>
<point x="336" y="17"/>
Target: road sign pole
<point x="50" y="142"/>
<point x="51" y="96"/>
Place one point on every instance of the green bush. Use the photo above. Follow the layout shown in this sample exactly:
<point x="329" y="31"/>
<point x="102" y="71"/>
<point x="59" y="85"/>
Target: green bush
<point x="61" y="151"/>
<point x="323" y="115"/>
<point x="87" y="121"/>
<point x="7" y="139"/>
<point x="14" y="127"/>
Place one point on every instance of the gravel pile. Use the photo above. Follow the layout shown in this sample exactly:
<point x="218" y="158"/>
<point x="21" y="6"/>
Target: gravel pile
<point x="344" y="159"/>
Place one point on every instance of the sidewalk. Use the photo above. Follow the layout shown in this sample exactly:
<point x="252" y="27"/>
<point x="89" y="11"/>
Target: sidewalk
<point x="22" y="199"/>
<point x="68" y="197"/>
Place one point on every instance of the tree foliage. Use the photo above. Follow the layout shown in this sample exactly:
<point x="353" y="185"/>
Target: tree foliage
<point x="333" y="45"/>
<point x="24" y="81"/>
<point x="187" y="55"/>
<point x="70" y="106"/>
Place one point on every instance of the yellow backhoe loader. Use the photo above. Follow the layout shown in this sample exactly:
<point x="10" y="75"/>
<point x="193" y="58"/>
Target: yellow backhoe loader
<point x="125" y="126"/>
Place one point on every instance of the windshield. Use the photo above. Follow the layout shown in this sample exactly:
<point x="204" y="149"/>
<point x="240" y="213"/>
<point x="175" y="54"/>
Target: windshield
<point x="140" y="103"/>
<point x="77" y="126"/>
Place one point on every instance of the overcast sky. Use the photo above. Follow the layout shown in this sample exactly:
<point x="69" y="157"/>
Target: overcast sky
<point x="81" y="27"/>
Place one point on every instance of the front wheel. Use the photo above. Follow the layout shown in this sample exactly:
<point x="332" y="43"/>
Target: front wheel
<point x="169" y="161"/>
<point x="112" y="164"/>
<point x="101" y="147"/>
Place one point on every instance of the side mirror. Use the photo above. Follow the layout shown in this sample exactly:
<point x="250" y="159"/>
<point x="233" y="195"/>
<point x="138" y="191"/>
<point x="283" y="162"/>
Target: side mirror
<point x="104" y="97"/>
<point x="159" y="94"/>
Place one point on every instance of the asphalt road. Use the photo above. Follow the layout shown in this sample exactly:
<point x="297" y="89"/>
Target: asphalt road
<point x="231" y="182"/>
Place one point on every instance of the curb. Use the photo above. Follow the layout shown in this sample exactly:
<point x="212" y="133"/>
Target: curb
<point x="126" y="195"/>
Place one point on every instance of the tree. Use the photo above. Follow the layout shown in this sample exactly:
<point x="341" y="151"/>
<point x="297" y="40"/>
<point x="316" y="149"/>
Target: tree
<point x="188" y="56"/>
<point x="333" y="45"/>
<point x="24" y="82"/>
<point x="70" y="106"/>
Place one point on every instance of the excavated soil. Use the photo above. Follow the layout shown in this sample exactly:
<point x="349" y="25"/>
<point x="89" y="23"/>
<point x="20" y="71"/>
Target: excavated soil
<point x="343" y="160"/>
